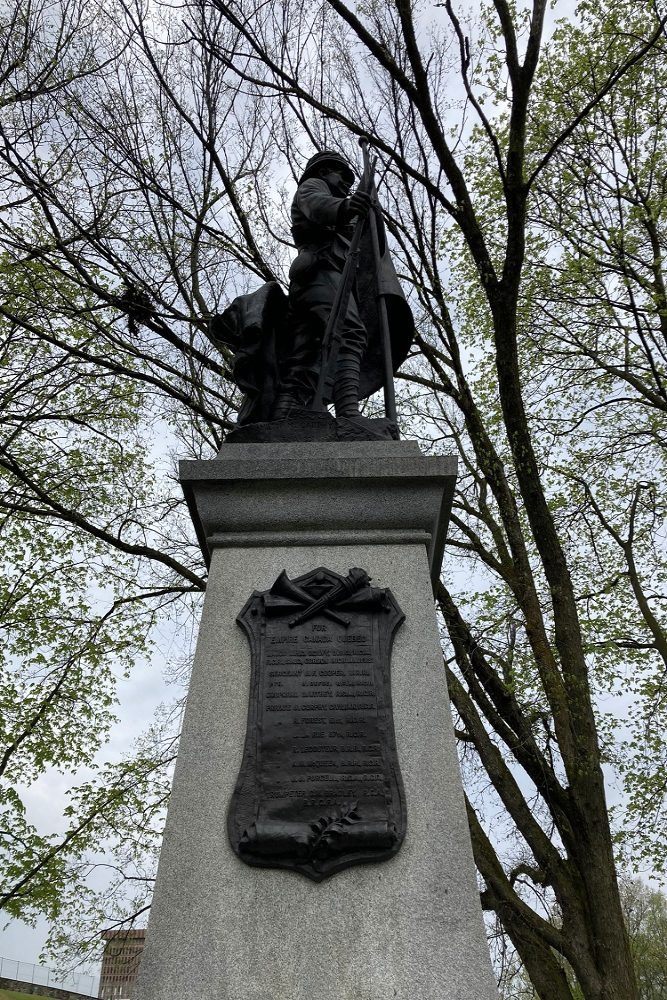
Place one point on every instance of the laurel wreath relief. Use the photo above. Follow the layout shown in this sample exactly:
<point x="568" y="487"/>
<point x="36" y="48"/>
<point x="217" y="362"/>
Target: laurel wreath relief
<point x="329" y="827"/>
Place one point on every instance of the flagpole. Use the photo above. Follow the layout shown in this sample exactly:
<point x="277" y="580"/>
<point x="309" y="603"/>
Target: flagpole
<point x="388" y="368"/>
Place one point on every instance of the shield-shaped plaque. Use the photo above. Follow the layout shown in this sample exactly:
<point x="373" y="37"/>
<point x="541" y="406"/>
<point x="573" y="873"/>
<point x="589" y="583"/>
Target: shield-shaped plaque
<point x="319" y="787"/>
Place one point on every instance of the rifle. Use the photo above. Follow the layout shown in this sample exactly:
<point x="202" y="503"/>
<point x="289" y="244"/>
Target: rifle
<point x="333" y="333"/>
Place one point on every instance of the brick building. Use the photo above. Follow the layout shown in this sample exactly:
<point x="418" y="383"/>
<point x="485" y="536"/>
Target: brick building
<point x="120" y="963"/>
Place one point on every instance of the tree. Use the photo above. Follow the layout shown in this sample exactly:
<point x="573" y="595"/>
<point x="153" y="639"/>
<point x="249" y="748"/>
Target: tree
<point x="79" y="594"/>
<point x="645" y="912"/>
<point x="646" y="915"/>
<point x="153" y="206"/>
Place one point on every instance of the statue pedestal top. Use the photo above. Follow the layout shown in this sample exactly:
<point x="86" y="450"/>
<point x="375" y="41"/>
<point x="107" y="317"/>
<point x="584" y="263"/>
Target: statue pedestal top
<point x="310" y="493"/>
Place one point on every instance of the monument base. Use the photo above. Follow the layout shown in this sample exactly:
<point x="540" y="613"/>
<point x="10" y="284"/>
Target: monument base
<point x="408" y="928"/>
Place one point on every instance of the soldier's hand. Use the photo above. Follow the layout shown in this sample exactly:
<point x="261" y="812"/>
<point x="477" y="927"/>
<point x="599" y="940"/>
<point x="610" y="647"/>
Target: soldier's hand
<point x="360" y="203"/>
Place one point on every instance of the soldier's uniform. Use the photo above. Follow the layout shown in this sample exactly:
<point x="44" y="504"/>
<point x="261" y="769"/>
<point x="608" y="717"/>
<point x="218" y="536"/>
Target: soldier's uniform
<point x="321" y="226"/>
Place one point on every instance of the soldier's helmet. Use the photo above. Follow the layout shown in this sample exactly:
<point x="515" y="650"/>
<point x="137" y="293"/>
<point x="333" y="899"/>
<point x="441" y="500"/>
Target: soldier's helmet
<point x="328" y="156"/>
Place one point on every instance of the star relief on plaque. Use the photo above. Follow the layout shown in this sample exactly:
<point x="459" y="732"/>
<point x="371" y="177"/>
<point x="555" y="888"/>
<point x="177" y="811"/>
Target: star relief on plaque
<point x="320" y="786"/>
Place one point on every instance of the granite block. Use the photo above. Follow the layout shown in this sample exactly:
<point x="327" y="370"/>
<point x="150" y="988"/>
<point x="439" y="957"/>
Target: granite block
<point x="410" y="928"/>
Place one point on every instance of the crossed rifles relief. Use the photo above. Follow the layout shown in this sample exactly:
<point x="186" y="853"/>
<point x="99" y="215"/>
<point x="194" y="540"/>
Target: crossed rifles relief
<point x="284" y="587"/>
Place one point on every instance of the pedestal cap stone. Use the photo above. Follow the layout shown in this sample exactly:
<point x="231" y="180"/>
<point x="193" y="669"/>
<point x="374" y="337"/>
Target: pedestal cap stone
<point x="320" y="493"/>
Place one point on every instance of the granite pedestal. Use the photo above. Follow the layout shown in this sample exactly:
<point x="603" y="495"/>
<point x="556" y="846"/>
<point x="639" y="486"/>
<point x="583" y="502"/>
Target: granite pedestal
<point x="409" y="928"/>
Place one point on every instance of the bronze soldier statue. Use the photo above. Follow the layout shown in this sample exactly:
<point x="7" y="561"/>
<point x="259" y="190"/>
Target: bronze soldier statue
<point x="322" y="217"/>
<point x="277" y="341"/>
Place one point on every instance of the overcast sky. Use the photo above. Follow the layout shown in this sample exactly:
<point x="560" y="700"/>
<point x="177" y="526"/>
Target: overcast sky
<point x="139" y="696"/>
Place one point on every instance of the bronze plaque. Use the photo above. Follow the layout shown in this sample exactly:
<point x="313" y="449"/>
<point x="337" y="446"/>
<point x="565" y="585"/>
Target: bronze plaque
<point x="319" y="787"/>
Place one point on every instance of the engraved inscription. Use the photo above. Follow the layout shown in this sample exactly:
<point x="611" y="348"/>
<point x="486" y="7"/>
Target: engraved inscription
<point x="325" y="758"/>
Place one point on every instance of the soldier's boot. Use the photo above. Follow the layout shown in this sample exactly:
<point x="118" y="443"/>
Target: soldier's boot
<point x="284" y="403"/>
<point x="346" y="388"/>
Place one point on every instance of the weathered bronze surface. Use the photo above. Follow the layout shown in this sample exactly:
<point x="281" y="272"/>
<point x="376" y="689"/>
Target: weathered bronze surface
<point x="342" y="331"/>
<point x="319" y="787"/>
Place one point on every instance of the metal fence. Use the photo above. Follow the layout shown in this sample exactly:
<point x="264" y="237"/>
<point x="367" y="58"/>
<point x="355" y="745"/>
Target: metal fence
<point x="26" y="972"/>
